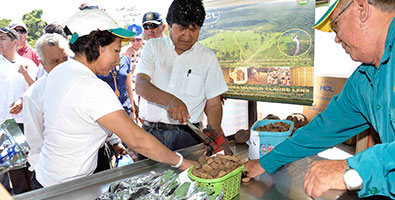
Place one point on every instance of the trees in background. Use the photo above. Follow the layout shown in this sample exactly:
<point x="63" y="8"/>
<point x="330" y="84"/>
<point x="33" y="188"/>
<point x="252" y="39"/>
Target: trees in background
<point x="35" y="25"/>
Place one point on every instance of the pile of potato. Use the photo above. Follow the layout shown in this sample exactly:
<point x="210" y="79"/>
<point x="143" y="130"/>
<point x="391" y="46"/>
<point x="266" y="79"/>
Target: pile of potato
<point x="274" y="127"/>
<point x="216" y="167"/>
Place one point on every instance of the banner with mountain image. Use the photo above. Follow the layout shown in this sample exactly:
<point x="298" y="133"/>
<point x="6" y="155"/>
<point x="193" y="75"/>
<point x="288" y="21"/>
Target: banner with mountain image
<point x="265" y="48"/>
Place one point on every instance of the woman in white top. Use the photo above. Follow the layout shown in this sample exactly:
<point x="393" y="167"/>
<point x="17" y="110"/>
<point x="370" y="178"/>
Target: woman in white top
<point x="80" y="110"/>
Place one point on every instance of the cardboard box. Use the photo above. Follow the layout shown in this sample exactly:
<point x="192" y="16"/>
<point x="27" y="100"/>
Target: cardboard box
<point x="325" y="88"/>
<point x="366" y="139"/>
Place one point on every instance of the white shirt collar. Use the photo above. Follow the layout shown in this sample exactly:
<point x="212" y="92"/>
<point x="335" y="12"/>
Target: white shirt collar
<point x="173" y="47"/>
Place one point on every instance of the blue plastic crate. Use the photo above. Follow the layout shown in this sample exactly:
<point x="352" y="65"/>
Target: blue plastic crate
<point x="261" y="142"/>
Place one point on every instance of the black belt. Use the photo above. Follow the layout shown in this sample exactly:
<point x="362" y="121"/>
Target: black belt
<point x="161" y="125"/>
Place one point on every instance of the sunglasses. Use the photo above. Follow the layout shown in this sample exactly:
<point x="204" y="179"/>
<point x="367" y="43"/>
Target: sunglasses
<point x="332" y="23"/>
<point x="150" y="26"/>
<point x="135" y="39"/>
<point x="23" y="31"/>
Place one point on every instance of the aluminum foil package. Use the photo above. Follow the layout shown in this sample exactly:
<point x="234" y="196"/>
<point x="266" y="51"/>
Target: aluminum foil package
<point x="156" y="186"/>
<point x="13" y="146"/>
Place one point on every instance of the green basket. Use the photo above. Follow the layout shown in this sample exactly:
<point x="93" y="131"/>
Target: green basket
<point x="230" y="183"/>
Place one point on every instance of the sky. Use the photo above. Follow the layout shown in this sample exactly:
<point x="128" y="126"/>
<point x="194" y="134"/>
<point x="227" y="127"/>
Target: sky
<point x="60" y="11"/>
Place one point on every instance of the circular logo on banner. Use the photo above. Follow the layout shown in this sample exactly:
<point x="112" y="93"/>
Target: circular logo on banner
<point x="294" y="42"/>
<point x="212" y="16"/>
<point x="327" y="88"/>
<point x="302" y="3"/>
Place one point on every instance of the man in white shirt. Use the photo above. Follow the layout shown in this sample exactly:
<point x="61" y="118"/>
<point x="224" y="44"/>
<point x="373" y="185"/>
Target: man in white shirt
<point x="178" y="79"/>
<point x="15" y="72"/>
<point x="52" y="49"/>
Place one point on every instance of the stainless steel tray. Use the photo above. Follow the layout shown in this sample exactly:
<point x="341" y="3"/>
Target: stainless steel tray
<point x="286" y="183"/>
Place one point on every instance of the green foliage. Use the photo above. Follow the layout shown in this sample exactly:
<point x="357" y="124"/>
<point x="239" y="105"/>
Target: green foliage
<point x="249" y="35"/>
<point x="35" y="25"/>
<point x="4" y="22"/>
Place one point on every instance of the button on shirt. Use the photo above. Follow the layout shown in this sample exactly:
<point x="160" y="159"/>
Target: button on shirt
<point x="368" y="98"/>
<point x="194" y="76"/>
<point x="13" y="84"/>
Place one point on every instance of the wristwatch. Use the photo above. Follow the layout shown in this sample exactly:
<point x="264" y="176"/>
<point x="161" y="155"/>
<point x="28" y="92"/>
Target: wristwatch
<point x="352" y="179"/>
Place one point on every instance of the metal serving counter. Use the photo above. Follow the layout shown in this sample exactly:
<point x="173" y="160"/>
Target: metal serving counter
<point x="286" y="183"/>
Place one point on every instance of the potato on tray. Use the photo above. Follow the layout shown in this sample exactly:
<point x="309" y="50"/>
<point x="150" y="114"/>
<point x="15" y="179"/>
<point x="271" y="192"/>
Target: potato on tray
<point x="216" y="167"/>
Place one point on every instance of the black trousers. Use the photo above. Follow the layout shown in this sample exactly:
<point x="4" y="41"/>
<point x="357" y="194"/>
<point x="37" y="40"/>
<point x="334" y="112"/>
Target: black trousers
<point x="103" y="163"/>
<point x="20" y="178"/>
<point x="104" y="158"/>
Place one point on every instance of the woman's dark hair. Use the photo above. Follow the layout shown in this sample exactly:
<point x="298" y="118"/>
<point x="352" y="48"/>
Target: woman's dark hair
<point x="88" y="45"/>
<point x="186" y="12"/>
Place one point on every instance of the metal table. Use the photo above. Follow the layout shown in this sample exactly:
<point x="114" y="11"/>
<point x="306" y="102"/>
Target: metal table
<point x="286" y="183"/>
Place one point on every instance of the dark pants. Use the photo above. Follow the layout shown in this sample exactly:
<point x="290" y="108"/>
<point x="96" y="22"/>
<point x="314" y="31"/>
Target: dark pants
<point x="103" y="163"/>
<point x="104" y="158"/>
<point x="174" y="137"/>
<point x="35" y="183"/>
<point x="20" y="178"/>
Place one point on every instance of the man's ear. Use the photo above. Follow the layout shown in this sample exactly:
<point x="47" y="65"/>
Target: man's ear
<point x="15" y="42"/>
<point x="363" y="9"/>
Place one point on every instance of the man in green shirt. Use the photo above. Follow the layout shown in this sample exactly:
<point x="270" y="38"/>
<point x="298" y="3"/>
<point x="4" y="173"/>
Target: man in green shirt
<point x="366" y="31"/>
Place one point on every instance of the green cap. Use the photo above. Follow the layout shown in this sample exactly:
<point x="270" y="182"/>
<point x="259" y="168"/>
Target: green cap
<point x="323" y="23"/>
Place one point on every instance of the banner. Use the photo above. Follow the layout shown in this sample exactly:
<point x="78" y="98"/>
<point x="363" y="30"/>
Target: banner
<point x="265" y="48"/>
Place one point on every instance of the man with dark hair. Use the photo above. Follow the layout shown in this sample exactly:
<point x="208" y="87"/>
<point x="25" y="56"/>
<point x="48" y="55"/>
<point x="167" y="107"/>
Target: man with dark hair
<point x="55" y="28"/>
<point x="179" y="79"/>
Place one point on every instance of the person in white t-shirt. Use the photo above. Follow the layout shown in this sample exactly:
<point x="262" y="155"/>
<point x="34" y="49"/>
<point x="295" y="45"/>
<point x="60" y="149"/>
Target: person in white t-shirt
<point x="80" y="110"/>
<point x="179" y="79"/>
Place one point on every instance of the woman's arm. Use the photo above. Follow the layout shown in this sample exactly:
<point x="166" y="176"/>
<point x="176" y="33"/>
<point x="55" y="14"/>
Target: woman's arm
<point x="139" y="140"/>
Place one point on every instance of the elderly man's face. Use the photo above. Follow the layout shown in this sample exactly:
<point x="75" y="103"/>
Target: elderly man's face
<point x="22" y="32"/>
<point x="6" y="45"/>
<point x="350" y="34"/>
<point x="152" y="30"/>
<point x="54" y="55"/>
<point x="136" y="43"/>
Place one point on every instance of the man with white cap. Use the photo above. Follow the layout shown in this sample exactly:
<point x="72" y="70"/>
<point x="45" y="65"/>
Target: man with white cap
<point x="153" y="25"/>
<point x="366" y="30"/>
<point x="24" y="49"/>
<point x="133" y="50"/>
<point x="81" y="110"/>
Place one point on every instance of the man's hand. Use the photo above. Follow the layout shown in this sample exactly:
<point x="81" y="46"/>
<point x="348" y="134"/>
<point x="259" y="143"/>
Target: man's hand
<point x="324" y="175"/>
<point x="253" y="168"/>
<point x="119" y="149"/>
<point x="177" y="110"/>
<point x="22" y="69"/>
<point x="16" y="107"/>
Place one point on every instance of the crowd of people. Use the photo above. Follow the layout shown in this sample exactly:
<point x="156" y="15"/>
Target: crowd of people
<point x="80" y="99"/>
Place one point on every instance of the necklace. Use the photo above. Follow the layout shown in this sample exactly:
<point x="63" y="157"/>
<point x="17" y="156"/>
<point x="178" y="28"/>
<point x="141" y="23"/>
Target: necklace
<point x="114" y="73"/>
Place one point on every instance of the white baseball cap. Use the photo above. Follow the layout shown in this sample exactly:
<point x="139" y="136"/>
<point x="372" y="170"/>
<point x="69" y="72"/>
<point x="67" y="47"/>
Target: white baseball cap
<point x="85" y="21"/>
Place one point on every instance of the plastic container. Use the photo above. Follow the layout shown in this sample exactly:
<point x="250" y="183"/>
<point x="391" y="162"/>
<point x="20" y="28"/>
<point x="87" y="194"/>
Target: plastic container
<point x="229" y="184"/>
<point x="261" y="143"/>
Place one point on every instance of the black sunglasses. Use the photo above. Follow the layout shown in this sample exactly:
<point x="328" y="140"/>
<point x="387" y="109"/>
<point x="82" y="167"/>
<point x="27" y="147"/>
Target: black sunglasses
<point x="150" y="26"/>
<point x="23" y="31"/>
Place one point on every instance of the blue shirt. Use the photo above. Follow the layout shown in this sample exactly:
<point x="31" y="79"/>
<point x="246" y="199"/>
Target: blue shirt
<point x="121" y="77"/>
<point x="367" y="99"/>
